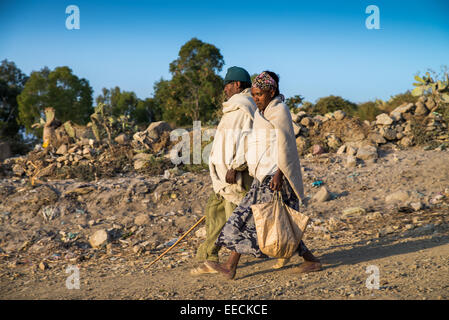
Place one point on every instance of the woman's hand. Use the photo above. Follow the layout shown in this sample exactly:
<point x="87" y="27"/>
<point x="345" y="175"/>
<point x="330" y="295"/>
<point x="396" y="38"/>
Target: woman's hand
<point x="231" y="176"/>
<point x="276" y="182"/>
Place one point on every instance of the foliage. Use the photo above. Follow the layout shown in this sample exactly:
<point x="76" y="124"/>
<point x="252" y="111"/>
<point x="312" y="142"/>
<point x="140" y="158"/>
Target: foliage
<point x="334" y="103"/>
<point x="70" y="96"/>
<point x="195" y="90"/>
<point x="294" y="102"/>
<point x="396" y="100"/>
<point x="368" y="111"/>
<point x="12" y="81"/>
<point x="118" y="103"/>
<point x="104" y="124"/>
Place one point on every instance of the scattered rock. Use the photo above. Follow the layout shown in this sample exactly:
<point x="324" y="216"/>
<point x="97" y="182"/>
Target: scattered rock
<point x="356" y="211"/>
<point x="99" y="238"/>
<point x="397" y="196"/>
<point x="142" y="219"/>
<point x="416" y="206"/>
<point x="43" y="266"/>
<point x="322" y="195"/>
<point x="121" y="138"/>
<point x="201" y="233"/>
<point x="367" y="153"/>
<point x="351" y="162"/>
<point x="317" y="149"/>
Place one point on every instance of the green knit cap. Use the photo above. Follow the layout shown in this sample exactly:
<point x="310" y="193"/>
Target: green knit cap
<point x="237" y="74"/>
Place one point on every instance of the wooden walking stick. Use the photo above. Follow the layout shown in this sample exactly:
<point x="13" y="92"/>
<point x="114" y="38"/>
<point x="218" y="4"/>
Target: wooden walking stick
<point x="177" y="241"/>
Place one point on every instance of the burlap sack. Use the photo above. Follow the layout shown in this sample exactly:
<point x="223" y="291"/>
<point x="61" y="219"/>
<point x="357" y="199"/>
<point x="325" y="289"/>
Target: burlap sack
<point x="279" y="228"/>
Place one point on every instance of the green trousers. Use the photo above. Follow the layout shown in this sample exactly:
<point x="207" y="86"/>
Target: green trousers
<point x="217" y="212"/>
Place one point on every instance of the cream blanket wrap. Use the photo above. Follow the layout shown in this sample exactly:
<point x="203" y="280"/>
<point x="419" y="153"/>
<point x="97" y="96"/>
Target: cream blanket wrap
<point x="229" y="146"/>
<point x="277" y="116"/>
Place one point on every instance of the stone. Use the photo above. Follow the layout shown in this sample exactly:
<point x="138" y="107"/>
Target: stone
<point x="377" y="138"/>
<point x="295" y="117"/>
<point x="396" y="116"/>
<point x="62" y="149"/>
<point x="367" y="153"/>
<point x="384" y="119"/>
<point x="430" y="104"/>
<point x="352" y="151"/>
<point x="201" y="233"/>
<point x="99" y="238"/>
<point x="317" y="149"/>
<point x="301" y="144"/>
<point x="397" y="196"/>
<point x="406" y="142"/>
<point x="18" y="170"/>
<point x="43" y="266"/>
<point x="421" y="109"/>
<point x="121" y="138"/>
<point x="403" y="108"/>
<point x="308" y="122"/>
<point x="333" y="142"/>
<point x="142" y="219"/>
<point x="339" y="115"/>
<point x="322" y="195"/>
<point x="139" y="164"/>
<point x="416" y="206"/>
<point x="351" y="162"/>
<point x="356" y="211"/>
<point x="155" y="129"/>
<point x="388" y="133"/>
<point x="342" y="149"/>
<point x="296" y="128"/>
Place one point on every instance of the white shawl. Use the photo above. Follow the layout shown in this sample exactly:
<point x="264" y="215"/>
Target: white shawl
<point x="229" y="146"/>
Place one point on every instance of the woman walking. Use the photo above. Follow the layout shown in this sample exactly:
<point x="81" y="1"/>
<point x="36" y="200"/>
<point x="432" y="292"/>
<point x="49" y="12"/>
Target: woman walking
<point x="273" y="161"/>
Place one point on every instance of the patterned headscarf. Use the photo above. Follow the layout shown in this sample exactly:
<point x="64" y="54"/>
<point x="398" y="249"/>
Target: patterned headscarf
<point x="264" y="82"/>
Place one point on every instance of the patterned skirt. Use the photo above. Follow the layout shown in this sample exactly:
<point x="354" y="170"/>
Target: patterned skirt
<point x="239" y="232"/>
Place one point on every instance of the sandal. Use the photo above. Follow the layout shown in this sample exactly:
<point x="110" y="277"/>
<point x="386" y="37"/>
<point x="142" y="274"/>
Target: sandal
<point x="202" y="269"/>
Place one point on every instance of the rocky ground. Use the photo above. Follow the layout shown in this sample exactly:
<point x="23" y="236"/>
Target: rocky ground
<point x="391" y="213"/>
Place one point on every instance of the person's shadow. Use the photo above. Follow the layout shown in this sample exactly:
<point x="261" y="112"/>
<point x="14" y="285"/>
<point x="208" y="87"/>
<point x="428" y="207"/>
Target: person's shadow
<point x="361" y="251"/>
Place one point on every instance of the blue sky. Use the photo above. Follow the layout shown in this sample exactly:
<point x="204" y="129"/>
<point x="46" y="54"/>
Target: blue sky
<point x="318" y="48"/>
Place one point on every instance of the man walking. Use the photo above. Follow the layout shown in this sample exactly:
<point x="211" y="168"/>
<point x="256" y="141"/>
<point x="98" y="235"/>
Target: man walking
<point x="227" y="162"/>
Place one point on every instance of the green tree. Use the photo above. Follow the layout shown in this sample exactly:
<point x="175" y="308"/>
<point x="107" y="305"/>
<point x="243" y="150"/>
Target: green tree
<point x="368" y="111"/>
<point x="12" y="81"/>
<point x="126" y="103"/>
<point x="294" y="102"/>
<point x="195" y="90"/>
<point x="70" y="96"/>
<point x="334" y="103"/>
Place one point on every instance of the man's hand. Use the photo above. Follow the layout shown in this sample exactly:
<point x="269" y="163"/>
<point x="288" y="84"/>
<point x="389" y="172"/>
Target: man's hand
<point x="231" y="176"/>
<point x="276" y="182"/>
